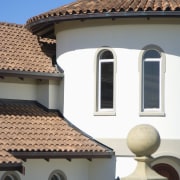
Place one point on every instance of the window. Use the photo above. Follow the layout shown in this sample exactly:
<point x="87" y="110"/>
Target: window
<point x="57" y="175"/>
<point x="10" y="176"/>
<point x="105" y="82"/>
<point x="152" y="82"/>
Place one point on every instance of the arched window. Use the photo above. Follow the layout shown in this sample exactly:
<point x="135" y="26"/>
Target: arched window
<point x="10" y="176"/>
<point x="57" y="175"/>
<point x="105" y="81"/>
<point x="152" y="81"/>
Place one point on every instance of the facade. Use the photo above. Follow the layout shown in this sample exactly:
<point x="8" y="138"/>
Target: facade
<point x="121" y="61"/>
<point x="128" y="44"/>
<point x="116" y="66"/>
<point x="36" y="140"/>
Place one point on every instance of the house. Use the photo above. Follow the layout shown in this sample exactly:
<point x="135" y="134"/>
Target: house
<point x="118" y="62"/>
<point x="36" y="140"/>
<point x="121" y="63"/>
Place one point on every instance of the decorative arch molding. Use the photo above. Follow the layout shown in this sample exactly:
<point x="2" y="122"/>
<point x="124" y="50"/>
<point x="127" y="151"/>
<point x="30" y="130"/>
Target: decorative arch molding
<point x="58" y="174"/>
<point x="10" y="175"/>
<point x="166" y="154"/>
<point x="168" y="166"/>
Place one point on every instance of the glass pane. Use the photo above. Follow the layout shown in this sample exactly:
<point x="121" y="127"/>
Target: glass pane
<point x="151" y="54"/>
<point x="151" y="84"/>
<point x="106" y="85"/>
<point x="106" y="55"/>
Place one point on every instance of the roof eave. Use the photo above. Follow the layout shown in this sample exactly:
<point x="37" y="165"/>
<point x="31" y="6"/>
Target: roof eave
<point x="26" y="74"/>
<point x="35" y="25"/>
<point x="12" y="167"/>
<point x="65" y="155"/>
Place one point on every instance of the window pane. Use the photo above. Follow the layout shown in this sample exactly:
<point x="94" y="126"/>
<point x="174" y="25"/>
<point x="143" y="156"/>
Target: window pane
<point x="107" y="85"/>
<point x="151" y="54"/>
<point x="106" y="55"/>
<point x="151" y="84"/>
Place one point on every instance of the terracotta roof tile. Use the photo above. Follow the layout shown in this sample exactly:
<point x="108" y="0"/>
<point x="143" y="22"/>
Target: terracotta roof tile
<point x="43" y="24"/>
<point x="100" y="6"/>
<point x="25" y="126"/>
<point x="22" y="51"/>
<point x="7" y="158"/>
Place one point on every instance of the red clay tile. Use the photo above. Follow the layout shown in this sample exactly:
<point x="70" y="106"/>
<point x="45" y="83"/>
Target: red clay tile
<point x="28" y="127"/>
<point x="21" y="51"/>
<point x="92" y="7"/>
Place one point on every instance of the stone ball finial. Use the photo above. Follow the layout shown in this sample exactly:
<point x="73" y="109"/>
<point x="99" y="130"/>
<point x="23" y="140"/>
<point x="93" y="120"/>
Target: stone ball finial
<point x="143" y="140"/>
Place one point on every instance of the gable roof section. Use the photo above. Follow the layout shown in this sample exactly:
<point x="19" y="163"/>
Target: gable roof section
<point x="29" y="131"/>
<point x="88" y="9"/>
<point x="9" y="162"/>
<point x="22" y="53"/>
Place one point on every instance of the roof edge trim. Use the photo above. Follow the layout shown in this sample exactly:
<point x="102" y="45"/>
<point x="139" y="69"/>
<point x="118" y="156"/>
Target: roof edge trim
<point x="127" y="14"/>
<point x="66" y="155"/>
<point x="12" y="167"/>
<point x="36" y="75"/>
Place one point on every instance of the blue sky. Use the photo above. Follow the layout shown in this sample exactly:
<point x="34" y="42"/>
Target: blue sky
<point x="18" y="11"/>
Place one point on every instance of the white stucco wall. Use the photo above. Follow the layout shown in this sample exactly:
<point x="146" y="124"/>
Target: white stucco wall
<point x="77" y="45"/>
<point x="76" y="169"/>
<point x="76" y="49"/>
<point x="15" y="88"/>
<point x="45" y="92"/>
<point x="48" y="93"/>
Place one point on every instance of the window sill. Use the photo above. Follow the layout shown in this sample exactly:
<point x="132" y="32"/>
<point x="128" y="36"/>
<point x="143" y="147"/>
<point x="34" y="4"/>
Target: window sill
<point x="105" y="113"/>
<point x="152" y="113"/>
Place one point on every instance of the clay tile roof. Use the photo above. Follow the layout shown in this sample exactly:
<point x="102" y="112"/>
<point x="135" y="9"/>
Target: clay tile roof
<point x="7" y="158"/>
<point x="88" y="9"/>
<point x="28" y="127"/>
<point x="92" y="7"/>
<point x="21" y="51"/>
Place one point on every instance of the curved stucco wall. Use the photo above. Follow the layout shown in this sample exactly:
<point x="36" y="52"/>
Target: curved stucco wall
<point x="76" y="49"/>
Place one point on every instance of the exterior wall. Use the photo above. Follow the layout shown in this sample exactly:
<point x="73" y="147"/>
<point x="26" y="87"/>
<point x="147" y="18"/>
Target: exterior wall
<point x="76" y="50"/>
<point x="76" y="169"/>
<point x="43" y="91"/>
<point x="15" y="88"/>
<point x="48" y="93"/>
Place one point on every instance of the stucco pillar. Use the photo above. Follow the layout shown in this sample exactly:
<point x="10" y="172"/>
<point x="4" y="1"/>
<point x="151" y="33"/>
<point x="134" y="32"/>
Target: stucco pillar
<point x="143" y="140"/>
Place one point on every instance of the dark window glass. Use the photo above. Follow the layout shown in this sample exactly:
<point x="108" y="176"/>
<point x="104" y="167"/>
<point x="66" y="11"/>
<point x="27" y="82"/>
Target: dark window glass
<point x="151" y="84"/>
<point x="106" y="85"/>
<point x="106" y="55"/>
<point x="151" y="54"/>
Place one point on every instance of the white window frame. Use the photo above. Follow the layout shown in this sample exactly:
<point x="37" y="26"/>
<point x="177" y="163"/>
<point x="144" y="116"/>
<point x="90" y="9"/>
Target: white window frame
<point x="98" y="62"/>
<point x="152" y="111"/>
